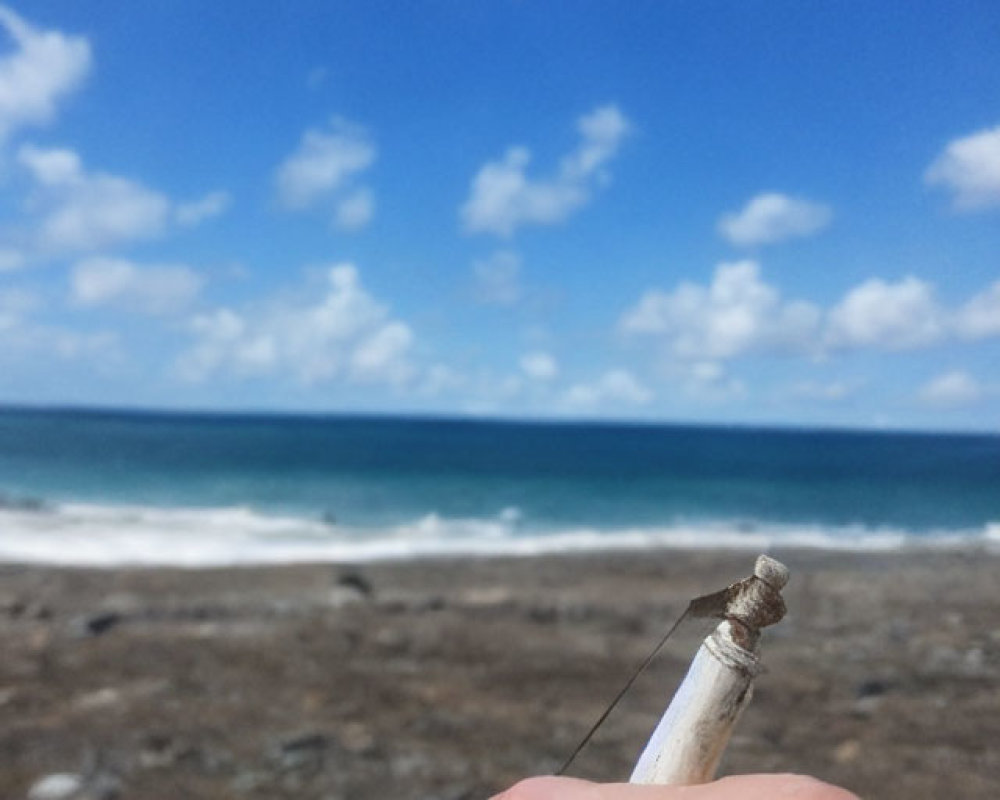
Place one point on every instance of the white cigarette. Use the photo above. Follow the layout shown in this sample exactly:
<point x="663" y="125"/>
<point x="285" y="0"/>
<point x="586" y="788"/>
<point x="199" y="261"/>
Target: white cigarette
<point x="691" y="736"/>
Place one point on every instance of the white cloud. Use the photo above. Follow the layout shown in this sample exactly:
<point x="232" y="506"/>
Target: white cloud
<point x="951" y="389"/>
<point x="51" y="167"/>
<point x="969" y="167"/>
<point x="889" y="316"/>
<point x="497" y="279"/>
<point x="44" y="67"/>
<point x="325" y="167"/>
<point x="324" y="162"/>
<point x="70" y="209"/>
<point x="736" y="314"/>
<point x="381" y="355"/>
<point x="503" y="197"/>
<point x="355" y="210"/>
<point x="602" y="132"/>
<point x="614" y="388"/>
<point x="67" y="208"/>
<point x="154" y="289"/>
<point x="539" y="366"/>
<point x="706" y="380"/>
<point x="22" y="337"/>
<point x="980" y="317"/>
<point x="80" y="210"/>
<point x="346" y="333"/>
<point x="773" y="217"/>
<point x="211" y="205"/>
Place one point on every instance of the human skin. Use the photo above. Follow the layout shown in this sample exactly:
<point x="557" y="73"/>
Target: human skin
<point x="739" y="787"/>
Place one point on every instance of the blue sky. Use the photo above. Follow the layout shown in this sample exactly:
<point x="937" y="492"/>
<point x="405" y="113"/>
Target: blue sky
<point x="756" y="212"/>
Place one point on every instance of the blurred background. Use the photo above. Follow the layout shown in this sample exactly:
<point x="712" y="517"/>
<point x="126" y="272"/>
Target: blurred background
<point x="378" y="381"/>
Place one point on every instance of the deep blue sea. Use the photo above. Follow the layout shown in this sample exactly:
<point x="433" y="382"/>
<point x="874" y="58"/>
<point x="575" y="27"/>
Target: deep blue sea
<point x="104" y="488"/>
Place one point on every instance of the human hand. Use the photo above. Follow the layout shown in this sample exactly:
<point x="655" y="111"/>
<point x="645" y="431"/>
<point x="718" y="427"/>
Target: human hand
<point x="739" y="787"/>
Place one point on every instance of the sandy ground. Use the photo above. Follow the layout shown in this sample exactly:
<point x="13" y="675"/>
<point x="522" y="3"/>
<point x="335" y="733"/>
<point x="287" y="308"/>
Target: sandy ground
<point x="451" y="679"/>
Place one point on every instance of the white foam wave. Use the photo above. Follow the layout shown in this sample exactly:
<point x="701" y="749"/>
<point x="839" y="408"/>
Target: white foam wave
<point x="96" y="535"/>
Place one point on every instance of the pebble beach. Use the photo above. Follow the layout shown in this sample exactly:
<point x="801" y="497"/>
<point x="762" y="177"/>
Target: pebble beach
<point x="449" y="679"/>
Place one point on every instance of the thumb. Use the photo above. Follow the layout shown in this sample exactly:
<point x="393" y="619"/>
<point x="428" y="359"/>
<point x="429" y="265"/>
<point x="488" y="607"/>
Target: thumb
<point x="739" y="787"/>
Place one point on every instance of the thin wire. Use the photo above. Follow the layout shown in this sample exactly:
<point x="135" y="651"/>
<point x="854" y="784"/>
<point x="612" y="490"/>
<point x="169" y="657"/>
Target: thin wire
<point x="624" y="690"/>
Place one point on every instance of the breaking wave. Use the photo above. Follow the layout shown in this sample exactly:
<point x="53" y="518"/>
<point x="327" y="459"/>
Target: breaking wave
<point x="106" y="535"/>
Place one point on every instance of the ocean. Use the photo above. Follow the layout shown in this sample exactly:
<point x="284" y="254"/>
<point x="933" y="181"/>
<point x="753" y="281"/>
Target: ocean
<point x="101" y="488"/>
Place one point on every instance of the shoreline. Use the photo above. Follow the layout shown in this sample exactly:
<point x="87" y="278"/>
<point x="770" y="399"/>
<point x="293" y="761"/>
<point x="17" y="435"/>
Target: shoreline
<point x="452" y="677"/>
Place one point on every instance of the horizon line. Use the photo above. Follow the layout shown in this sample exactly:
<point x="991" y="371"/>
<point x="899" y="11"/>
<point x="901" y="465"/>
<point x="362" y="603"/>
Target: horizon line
<point x="97" y="410"/>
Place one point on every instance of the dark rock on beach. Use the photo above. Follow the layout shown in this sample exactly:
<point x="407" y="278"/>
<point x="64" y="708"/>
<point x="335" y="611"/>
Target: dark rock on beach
<point x="95" y="624"/>
<point x="357" y="581"/>
<point x="457" y="677"/>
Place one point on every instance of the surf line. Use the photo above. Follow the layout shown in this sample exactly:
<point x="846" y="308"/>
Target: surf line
<point x="687" y="744"/>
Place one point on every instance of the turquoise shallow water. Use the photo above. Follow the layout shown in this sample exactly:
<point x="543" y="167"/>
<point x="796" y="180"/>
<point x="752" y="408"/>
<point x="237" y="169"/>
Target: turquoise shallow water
<point x="82" y="486"/>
